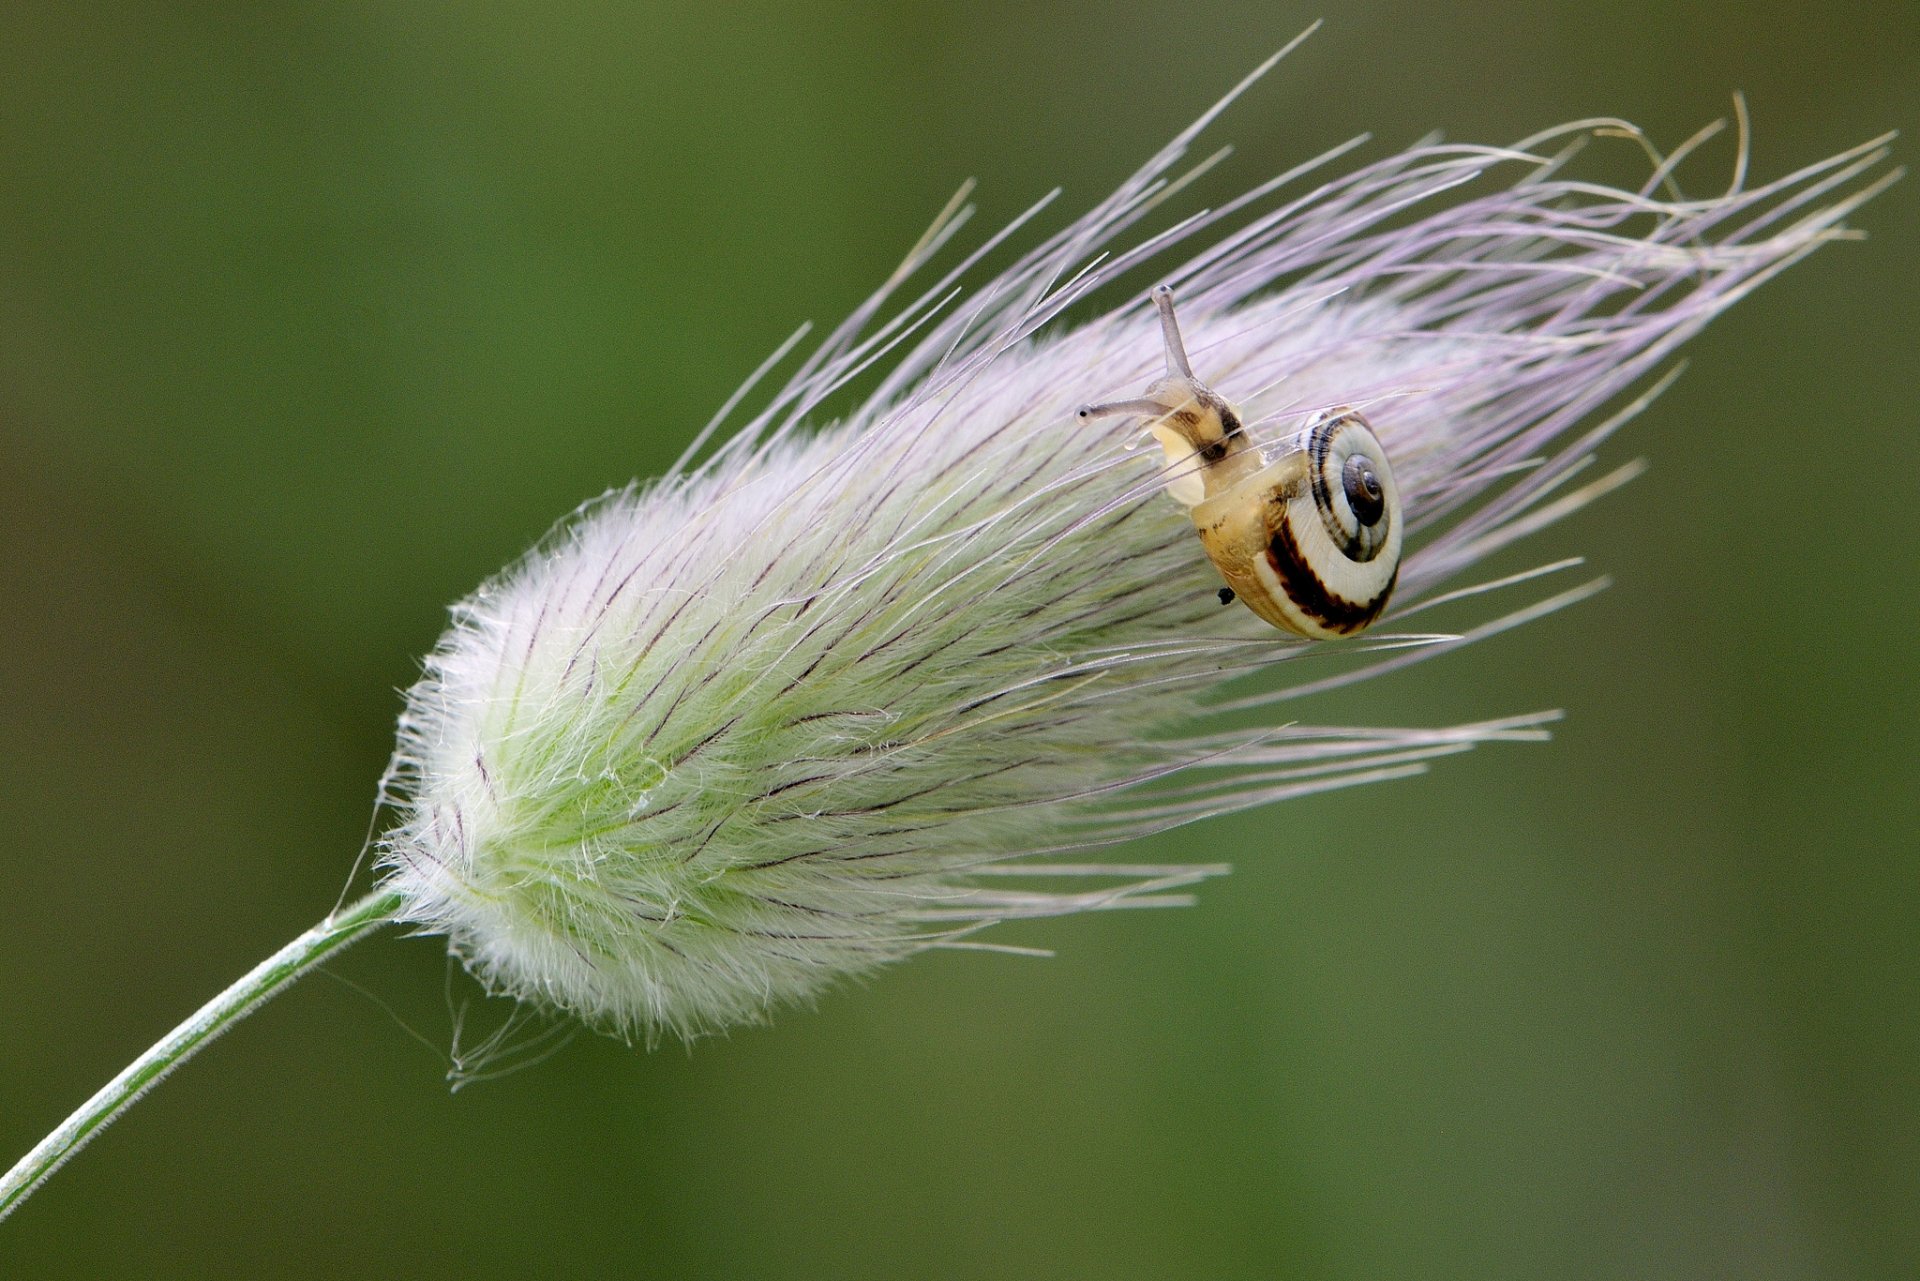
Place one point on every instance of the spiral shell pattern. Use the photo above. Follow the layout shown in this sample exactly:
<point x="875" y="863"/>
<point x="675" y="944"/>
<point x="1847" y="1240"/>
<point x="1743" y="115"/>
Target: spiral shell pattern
<point x="1333" y="551"/>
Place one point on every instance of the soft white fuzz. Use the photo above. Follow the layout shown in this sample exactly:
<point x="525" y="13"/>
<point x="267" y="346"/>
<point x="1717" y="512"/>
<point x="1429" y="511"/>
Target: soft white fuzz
<point x="835" y="696"/>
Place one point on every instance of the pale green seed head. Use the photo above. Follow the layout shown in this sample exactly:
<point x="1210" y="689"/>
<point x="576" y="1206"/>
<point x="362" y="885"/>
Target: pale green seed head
<point x="832" y="698"/>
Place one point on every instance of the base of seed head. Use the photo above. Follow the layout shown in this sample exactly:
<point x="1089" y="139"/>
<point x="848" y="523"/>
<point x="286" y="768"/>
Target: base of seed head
<point x="1310" y="539"/>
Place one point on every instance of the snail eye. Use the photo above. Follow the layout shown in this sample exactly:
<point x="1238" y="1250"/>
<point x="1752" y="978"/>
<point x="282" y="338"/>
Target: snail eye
<point x="1364" y="492"/>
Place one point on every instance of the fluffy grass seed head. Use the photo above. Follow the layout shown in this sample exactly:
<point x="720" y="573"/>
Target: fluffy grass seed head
<point x="834" y="696"/>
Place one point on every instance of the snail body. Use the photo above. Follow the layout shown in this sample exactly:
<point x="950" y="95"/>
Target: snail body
<point x="1308" y="534"/>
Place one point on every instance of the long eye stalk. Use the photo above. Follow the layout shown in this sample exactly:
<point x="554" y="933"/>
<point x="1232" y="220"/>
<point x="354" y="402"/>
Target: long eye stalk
<point x="1177" y="366"/>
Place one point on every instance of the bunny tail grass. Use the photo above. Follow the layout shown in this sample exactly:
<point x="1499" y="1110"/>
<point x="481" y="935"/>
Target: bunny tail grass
<point x="254" y="989"/>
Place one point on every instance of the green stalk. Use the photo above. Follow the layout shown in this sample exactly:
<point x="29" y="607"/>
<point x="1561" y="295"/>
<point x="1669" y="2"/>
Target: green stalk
<point x="248" y="994"/>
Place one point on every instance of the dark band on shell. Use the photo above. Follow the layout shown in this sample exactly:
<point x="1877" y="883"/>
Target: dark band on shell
<point x="1345" y="475"/>
<point x="1310" y="593"/>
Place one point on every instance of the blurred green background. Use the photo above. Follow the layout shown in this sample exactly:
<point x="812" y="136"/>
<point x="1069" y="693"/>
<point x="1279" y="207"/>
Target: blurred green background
<point x="313" y="316"/>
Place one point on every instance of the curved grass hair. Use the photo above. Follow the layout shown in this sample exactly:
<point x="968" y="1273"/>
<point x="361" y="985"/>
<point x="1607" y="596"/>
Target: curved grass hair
<point x="824" y="697"/>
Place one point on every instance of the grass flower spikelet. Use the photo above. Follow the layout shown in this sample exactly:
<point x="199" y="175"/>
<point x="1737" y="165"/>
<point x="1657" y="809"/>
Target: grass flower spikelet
<point x="829" y="697"/>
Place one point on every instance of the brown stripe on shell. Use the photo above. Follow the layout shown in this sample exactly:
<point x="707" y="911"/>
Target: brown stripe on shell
<point x="1319" y="448"/>
<point x="1312" y="596"/>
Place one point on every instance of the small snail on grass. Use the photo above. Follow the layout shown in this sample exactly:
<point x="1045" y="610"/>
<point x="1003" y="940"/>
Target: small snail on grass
<point x="1307" y="535"/>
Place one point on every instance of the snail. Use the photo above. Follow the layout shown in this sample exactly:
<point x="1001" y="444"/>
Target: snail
<point x="1306" y="535"/>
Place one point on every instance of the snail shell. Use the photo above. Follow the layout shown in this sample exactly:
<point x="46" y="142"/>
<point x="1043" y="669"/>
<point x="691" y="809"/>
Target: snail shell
<point x="1311" y="541"/>
<point x="1308" y="536"/>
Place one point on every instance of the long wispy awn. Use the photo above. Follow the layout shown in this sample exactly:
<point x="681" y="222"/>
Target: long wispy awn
<point x="827" y="695"/>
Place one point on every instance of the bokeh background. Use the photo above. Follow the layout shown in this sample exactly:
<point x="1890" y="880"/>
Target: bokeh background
<point x="311" y="316"/>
